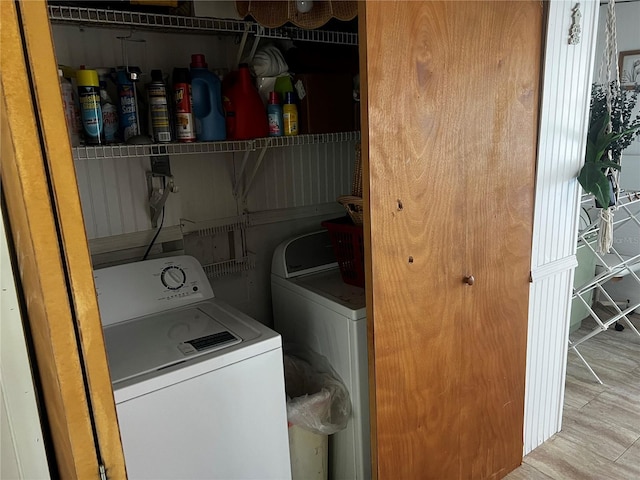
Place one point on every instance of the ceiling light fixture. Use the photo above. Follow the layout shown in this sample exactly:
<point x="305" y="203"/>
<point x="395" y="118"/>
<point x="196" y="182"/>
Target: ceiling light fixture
<point x="304" y="6"/>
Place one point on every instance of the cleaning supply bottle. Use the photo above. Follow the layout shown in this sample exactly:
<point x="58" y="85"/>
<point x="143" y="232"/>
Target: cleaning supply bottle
<point x="128" y="111"/>
<point x="274" y="115"/>
<point x="245" y="115"/>
<point x="159" y="108"/>
<point x="185" y="131"/>
<point x="71" y="113"/>
<point x="109" y="109"/>
<point x="207" y="101"/>
<point x="90" y="110"/>
<point x="290" y="115"/>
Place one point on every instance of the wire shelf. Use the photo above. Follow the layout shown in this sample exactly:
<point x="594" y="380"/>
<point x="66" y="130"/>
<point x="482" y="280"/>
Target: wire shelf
<point x="228" y="267"/>
<point x="178" y="24"/>
<point x="320" y="36"/>
<point x="156" y="149"/>
<point x="118" y="18"/>
<point x="310" y="139"/>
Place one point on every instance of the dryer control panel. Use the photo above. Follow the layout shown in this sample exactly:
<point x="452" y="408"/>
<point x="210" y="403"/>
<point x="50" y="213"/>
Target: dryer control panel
<point x="142" y="288"/>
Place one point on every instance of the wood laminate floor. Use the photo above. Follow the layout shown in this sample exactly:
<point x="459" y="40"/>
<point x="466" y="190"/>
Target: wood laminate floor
<point x="600" y="437"/>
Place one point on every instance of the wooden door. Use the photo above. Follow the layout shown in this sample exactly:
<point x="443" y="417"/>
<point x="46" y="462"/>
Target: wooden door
<point x="449" y="131"/>
<point x="51" y="253"/>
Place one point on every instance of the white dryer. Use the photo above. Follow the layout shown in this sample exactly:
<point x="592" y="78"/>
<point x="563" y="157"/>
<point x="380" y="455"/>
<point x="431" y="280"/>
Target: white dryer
<point x="198" y="385"/>
<point x="314" y="308"/>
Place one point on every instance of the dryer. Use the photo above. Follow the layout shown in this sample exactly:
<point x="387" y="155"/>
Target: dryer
<point x="198" y="385"/>
<point x="315" y="309"/>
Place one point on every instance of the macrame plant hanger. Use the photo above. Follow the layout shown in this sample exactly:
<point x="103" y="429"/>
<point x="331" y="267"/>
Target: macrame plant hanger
<point x="610" y="80"/>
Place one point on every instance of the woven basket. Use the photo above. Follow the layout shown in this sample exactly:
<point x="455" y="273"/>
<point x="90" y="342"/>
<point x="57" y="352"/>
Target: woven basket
<point x="353" y="203"/>
<point x="276" y="13"/>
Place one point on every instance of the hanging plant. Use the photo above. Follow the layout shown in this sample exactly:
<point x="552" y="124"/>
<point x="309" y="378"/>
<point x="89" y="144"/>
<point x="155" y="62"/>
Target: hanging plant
<point x="593" y="175"/>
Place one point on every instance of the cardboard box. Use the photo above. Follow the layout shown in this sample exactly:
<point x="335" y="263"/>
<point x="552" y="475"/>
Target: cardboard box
<point x="325" y="102"/>
<point x="216" y="9"/>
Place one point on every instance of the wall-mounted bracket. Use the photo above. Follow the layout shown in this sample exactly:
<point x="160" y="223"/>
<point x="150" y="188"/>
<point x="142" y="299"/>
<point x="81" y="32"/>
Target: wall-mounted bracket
<point x="243" y="42"/>
<point x="243" y="168"/>
<point x="575" y="30"/>
<point x="159" y="186"/>
<point x="256" y="167"/>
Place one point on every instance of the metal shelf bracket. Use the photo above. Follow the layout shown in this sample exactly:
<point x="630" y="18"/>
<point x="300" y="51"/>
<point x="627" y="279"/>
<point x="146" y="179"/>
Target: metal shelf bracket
<point x="158" y="195"/>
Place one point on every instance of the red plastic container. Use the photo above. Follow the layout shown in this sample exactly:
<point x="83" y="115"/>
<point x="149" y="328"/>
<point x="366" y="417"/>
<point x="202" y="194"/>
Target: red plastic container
<point x="348" y="245"/>
<point x="245" y="113"/>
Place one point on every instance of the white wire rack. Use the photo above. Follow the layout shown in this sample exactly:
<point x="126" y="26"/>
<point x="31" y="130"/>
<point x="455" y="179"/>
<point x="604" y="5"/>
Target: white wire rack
<point x="178" y="24"/>
<point x="123" y="151"/>
<point x="227" y="267"/>
<point x="152" y="150"/>
<point x="612" y="266"/>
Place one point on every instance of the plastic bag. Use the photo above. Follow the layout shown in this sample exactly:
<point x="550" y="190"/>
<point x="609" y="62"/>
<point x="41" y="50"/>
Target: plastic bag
<point x="317" y="400"/>
<point x="269" y="62"/>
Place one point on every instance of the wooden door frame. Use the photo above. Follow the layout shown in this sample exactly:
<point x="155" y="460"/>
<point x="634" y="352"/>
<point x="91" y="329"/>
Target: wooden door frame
<point x="55" y="273"/>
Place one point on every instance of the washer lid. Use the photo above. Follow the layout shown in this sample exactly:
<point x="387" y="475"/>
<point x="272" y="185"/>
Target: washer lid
<point x="158" y="341"/>
<point x="328" y="289"/>
<point x="303" y="255"/>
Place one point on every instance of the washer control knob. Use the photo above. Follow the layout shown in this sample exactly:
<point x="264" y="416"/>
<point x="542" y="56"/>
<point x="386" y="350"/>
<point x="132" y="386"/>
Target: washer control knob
<point x="173" y="277"/>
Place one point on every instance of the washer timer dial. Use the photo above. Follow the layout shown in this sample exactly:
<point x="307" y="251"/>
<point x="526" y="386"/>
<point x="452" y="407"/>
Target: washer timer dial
<point x="173" y="277"/>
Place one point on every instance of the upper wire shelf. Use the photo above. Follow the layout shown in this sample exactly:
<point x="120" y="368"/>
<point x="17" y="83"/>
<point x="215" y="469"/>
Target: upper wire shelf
<point x="155" y="149"/>
<point x="178" y="24"/>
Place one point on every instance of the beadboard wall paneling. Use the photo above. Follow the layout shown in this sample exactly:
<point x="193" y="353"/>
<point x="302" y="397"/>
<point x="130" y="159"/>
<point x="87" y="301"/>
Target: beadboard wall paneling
<point x="564" y="116"/>
<point x="301" y="176"/>
<point x="205" y="183"/>
<point x="113" y="194"/>
<point x="549" y="310"/>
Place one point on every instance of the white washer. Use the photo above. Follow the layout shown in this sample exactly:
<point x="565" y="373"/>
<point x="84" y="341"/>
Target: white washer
<point x="314" y="308"/>
<point x="198" y="385"/>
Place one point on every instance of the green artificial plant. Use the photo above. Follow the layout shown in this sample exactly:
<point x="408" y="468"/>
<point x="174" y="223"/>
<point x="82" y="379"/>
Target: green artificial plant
<point x="593" y="175"/>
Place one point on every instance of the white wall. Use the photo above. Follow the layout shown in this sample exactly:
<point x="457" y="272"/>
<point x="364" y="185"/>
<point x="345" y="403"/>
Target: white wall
<point x="563" y="126"/>
<point x="569" y="71"/>
<point x="22" y="454"/>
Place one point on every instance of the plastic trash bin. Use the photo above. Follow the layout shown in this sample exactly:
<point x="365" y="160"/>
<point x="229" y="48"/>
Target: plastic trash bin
<point x="318" y="405"/>
<point x="309" y="454"/>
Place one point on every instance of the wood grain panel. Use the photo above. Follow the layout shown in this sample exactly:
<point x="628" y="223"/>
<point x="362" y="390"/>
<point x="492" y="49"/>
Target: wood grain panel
<point x="498" y="146"/>
<point x="33" y="231"/>
<point x="368" y="258"/>
<point x="451" y="96"/>
<point x="42" y="200"/>
<point x="416" y="200"/>
<point x="74" y="253"/>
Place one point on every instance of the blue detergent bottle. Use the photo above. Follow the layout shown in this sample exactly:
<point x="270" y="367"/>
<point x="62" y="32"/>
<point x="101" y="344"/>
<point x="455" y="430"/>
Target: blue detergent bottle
<point x="207" y="101"/>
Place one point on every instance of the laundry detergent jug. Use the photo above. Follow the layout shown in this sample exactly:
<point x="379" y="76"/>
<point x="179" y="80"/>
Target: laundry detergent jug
<point x="246" y="116"/>
<point x="206" y="92"/>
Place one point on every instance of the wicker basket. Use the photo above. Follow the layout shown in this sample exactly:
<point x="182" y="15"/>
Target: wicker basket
<point x="353" y="203"/>
<point x="276" y="13"/>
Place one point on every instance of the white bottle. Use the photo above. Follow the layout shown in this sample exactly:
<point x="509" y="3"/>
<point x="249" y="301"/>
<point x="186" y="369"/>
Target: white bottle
<point x="110" y="129"/>
<point x="71" y="113"/>
<point x="109" y="116"/>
